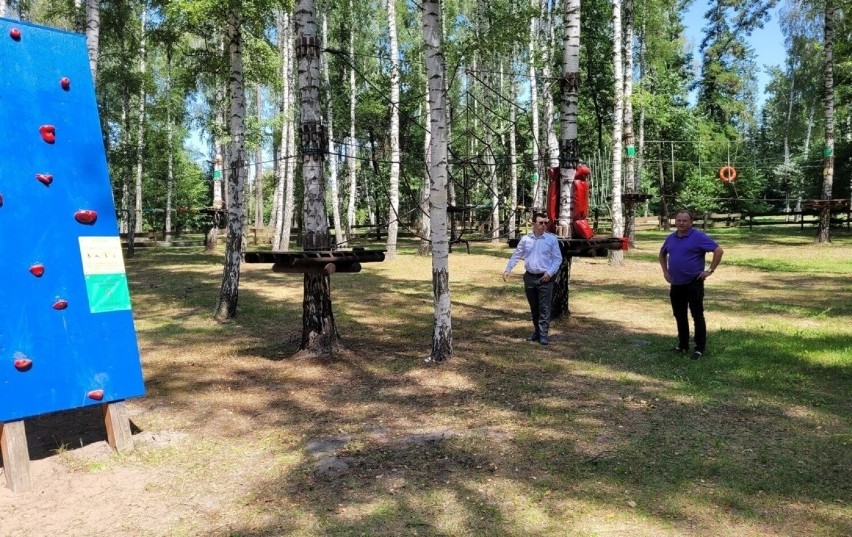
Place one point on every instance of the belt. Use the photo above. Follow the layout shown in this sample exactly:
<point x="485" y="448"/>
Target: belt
<point x="540" y="274"/>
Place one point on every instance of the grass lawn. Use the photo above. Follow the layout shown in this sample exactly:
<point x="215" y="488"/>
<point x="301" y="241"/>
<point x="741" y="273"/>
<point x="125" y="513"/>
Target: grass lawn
<point x="604" y="432"/>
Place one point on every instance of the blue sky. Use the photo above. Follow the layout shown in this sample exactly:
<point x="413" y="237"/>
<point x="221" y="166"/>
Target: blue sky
<point x="768" y="42"/>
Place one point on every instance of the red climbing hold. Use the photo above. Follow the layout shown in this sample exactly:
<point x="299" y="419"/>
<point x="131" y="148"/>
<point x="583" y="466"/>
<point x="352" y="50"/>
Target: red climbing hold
<point x="44" y="178"/>
<point x="86" y="216"/>
<point x="48" y="133"/>
<point x="60" y="304"/>
<point x="65" y="82"/>
<point x="15" y="34"/>
<point x="37" y="270"/>
<point x="97" y="395"/>
<point x="23" y="364"/>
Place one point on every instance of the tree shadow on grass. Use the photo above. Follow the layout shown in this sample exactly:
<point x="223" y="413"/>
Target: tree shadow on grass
<point x="536" y="435"/>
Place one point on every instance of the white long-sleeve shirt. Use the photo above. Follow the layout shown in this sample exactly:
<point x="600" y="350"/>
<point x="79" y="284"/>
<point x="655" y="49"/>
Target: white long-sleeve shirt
<point x="540" y="254"/>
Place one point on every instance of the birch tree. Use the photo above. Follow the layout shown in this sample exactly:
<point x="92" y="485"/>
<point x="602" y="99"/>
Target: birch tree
<point x="569" y="156"/>
<point x="140" y="127"/>
<point x="828" y="153"/>
<point x="442" y="335"/>
<point x="226" y="307"/>
<point x="339" y="228"/>
<point x="319" y="331"/>
<point x="393" y="194"/>
<point x="351" y="146"/>
<point x="616" y="257"/>
<point x="629" y="139"/>
<point x="93" y="32"/>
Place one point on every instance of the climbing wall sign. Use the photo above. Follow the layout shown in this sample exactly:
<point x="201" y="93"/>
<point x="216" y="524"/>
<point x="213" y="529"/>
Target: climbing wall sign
<point x="66" y="326"/>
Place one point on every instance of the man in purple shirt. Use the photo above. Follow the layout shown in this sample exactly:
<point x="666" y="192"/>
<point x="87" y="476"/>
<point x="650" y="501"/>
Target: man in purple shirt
<point x="542" y="259"/>
<point x="682" y="260"/>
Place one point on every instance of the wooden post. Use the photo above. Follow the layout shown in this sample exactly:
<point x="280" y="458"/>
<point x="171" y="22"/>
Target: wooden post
<point x="16" y="456"/>
<point x="118" y="427"/>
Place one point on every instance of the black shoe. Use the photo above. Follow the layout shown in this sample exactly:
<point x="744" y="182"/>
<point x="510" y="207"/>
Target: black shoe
<point x="697" y="354"/>
<point x="543" y="340"/>
<point x="534" y="336"/>
<point x="680" y="350"/>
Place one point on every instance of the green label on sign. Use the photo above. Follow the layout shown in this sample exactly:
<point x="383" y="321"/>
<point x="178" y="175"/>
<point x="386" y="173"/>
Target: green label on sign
<point x="827" y="152"/>
<point x="534" y="177"/>
<point x="631" y="151"/>
<point x="107" y="292"/>
<point x="217" y="174"/>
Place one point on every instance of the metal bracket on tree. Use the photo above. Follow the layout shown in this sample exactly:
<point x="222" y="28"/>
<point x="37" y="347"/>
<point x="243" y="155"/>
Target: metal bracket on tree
<point x="313" y="138"/>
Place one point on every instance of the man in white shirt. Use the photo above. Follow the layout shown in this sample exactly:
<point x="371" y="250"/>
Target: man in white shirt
<point x="542" y="259"/>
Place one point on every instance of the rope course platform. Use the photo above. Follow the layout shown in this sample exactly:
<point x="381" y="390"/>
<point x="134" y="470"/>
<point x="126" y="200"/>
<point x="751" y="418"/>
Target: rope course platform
<point x="317" y="261"/>
<point x="635" y="197"/>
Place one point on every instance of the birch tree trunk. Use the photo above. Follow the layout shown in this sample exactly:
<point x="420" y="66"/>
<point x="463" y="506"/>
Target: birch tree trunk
<point x="277" y="217"/>
<point x="319" y="332"/>
<point x="93" y="32"/>
<point x="828" y="152"/>
<point x="569" y="156"/>
<point x="352" y="147"/>
<point x="290" y="125"/>
<point x="170" y="158"/>
<point x="442" y="336"/>
<point x="226" y="307"/>
<point x="425" y="247"/>
<point x="140" y="127"/>
<point x="569" y="147"/>
<point x="616" y="257"/>
<point x="538" y="157"/>
<point x="629" y="141"/>
<point x="393" y="193"/>
<point x="339" y="228"/>
<point x="258" y="164"/>
<point x="547" y="96"/>
<point x="511" y="228"/>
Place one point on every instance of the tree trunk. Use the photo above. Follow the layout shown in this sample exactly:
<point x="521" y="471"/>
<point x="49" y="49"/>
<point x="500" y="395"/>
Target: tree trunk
<point x="539" y="173"/>
<point x="547" y="96"/>
<point x="828" y="153"/>
<point x="93" y="32"/>
<point x="629" y="141"/>
<point x="493" y="186"/>
<point x="290" y="151"/>
<point x="569" y="156"/>
<point x="511" y="228"/>
<point x="442" y="336"/>
<point x="352" y="146"/>
<point x="258" y="164"/>
<point x="569" y="147"/>
<point x="170" y="128"/>
<point x="140" y="127"/>
<point x="319" y="332"/>
<point x="616" y="257"/>
<point x="339" y="228"/>
<point x="226" y="307"/>
<point x="425" y="247"/>
<point x="393" y="193"/>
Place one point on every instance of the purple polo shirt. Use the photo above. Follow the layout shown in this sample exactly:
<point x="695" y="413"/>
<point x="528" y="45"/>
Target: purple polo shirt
<point x="686" y="254"/>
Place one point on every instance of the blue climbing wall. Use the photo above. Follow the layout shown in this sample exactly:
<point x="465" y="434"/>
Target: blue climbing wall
<point x="66" y="328"/>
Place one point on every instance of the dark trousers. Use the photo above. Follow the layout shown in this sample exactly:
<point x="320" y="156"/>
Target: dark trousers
<point x="540" y="296"/>
<point x="690" y="297"/>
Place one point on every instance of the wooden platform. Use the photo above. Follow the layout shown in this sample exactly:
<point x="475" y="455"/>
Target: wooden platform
<point x="325" y="261"/>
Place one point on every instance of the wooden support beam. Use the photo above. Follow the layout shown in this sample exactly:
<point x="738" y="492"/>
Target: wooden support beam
<point x="16" y="456"/>
<point x="117" y="424"/>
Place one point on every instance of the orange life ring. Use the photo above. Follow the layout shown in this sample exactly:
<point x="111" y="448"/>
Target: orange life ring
<point x="728" y="174"/>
